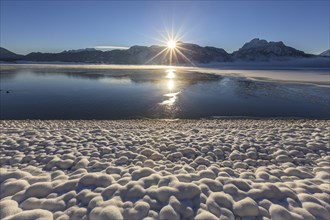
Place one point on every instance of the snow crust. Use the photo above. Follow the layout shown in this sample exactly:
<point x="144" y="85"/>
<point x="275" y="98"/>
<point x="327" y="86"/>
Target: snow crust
<point x="157" y="169"/>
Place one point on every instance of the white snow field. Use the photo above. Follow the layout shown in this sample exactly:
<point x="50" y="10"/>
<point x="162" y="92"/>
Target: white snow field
<point x="158" y="169"/>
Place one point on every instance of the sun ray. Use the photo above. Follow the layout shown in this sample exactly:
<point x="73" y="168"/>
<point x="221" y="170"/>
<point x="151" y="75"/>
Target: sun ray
<point x="178" y="34"/>
<point x="169" y="35"/>
<point x="171" y="54"/>
<point x="165" y="55"/>
<point x="184" y="56"/>
<point x="185" y="49"/>
<point x="150" y="37"/>
<point x="172" y="31"/>
<point x="156" y="55"/>
<point x="175" y="56"/>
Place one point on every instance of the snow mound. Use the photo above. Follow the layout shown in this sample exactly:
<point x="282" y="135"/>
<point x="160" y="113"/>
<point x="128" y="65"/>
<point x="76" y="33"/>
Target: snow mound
<point x="150" y="169"/>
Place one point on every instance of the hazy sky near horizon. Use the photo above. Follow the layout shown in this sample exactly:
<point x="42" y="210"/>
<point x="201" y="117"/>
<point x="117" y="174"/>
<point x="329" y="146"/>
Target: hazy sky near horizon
<point x="54" y="26"/>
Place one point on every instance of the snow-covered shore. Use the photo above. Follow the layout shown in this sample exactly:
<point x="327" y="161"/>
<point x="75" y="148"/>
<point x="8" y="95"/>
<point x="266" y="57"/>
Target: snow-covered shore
<point x="156" y="169"/>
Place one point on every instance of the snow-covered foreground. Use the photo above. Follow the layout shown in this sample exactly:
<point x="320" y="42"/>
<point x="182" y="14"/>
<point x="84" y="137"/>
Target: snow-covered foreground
<point x="152" y="169"/>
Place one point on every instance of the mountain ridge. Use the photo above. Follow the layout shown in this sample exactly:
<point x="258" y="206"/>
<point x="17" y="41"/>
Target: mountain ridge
<point x="263" y="50"/>
<point x="254" y="50"/>
<point x="325" y="53"/>
<point x="9" y="55"/>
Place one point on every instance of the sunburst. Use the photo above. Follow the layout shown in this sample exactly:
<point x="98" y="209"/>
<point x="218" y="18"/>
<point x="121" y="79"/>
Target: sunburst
<point x="173" y="49"/>
<point x="171" y="44"/>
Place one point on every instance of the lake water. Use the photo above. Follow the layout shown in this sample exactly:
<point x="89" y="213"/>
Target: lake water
<point x="73" y="93"/>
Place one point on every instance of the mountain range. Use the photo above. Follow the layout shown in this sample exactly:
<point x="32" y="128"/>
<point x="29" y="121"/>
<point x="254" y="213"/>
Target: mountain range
<point x="255" y="50"/>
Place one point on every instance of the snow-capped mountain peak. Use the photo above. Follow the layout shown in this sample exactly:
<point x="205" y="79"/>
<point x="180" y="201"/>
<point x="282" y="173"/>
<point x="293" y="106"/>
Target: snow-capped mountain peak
<point x="259" y="49"/>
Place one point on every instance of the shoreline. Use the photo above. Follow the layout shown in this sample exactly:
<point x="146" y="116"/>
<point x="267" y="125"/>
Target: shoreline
<point x="156" y="169"/>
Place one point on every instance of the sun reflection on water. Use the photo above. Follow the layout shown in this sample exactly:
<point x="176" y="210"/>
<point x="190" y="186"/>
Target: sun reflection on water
<point x="170" y="84"/>
<point x="171" y="99"/>
<point x="170" y="74"/>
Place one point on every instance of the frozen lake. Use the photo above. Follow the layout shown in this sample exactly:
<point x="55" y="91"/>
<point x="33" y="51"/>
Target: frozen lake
<point x="63" y="92"/>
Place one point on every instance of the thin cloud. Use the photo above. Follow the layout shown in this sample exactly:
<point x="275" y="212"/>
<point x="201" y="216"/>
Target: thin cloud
<point x="111" y="47"/>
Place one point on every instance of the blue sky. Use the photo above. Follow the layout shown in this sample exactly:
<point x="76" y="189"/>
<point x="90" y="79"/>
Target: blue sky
<point x="54" y="26"/>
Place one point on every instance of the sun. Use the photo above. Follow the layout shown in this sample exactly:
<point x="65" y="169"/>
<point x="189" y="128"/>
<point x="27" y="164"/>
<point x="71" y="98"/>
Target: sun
<point x="173" y="50"/>
<point x="171" y="44"/>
